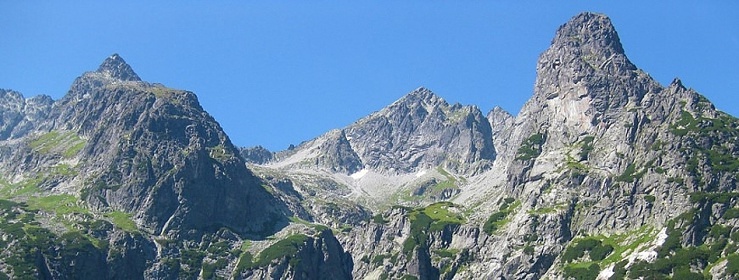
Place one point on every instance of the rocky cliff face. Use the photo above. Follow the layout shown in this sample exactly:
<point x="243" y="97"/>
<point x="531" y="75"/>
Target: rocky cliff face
<point x="126" y="179"/>
<point x="604" y="174"/>
<point x="599" y="176"/>
<point x="19" y="116"/>
<point x="419" y="131"/>
<point x="422" y="130"/>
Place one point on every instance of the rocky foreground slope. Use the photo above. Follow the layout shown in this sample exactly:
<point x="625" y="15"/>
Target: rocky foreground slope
<point x="604" y="174"/>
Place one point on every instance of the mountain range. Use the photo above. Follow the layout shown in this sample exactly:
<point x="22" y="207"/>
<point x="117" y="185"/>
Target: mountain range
<point x="603" y="174"/>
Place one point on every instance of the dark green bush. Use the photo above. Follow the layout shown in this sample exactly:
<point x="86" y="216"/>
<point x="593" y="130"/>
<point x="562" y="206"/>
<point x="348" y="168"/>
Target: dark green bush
<point x="731" y="213"/>
<point x="600" y="252"/>
<point x="732" y="265"/>
<point x="531" y="147"/>
<point x="489" y="227"/>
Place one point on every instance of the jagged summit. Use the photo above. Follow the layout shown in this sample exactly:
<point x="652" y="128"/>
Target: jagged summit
<point x="591" y="30"/>
<point x="421" y="95"/>
<point x="117" y="68"/>
<point x="585" y="55"/>
<point x="676" y="82"/>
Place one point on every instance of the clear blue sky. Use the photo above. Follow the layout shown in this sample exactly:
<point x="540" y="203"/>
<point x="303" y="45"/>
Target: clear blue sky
<point x="281" y="72"/>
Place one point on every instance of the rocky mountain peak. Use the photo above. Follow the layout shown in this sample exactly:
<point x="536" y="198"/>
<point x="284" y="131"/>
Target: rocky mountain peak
<point x="589" y="30"/>
<point x="117" y="68"/>
<point x="584" y="77"/>
<point x="421" y="96"/>
<point x="677" y="83"/>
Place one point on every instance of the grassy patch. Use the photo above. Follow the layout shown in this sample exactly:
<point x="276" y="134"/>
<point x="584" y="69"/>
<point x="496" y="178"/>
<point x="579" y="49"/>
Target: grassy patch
<point x="379" y="219"/>
<point x="500" y="218"/>
<point x="630" y="174"/>
<point x="434" y="217"/>
<point x="576" y="167"/>
<point x="61" y="204"/>
<point x="603" y="250"/>
<point x="245" y="262"/>
<point x="447" y="253"/>
<point x="548" y="210"/>
<point x="122" y="220"/>
<point x="287" y="247"/>
<point x="318" y="227"/>
<point x="219" y="153"/>
<point x="579" y="272"/>
<point x="65" y="143"/>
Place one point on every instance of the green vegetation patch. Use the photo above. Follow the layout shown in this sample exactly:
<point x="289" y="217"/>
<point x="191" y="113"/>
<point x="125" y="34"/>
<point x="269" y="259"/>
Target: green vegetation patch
<point x="21" y="189"/>
<point x="287" y="247"/>
<point x="449" y="183"/>
<point x="220" y="153"/>
<point x="192" y="259"/>
<point x="499" y="219"/>
<point x="713" y="197"/>
<point x="586" y="146"/>
<point x="61" y="204"/>
<point x="379" y="219"/>
<point x="434" y="217"/>
<point x="65" y="143"/>
<point x="595" y="247"/>
<point x="678" y="261"/>
<point x="531" y="147"/>
<point x="447" y="253"/>
<point x="602" y="251"/>
<point x="25" y="242"/>
<point x="576" y="167"/>
<point x="710" y="142"/>
<point x="731" y="213"/>
<point x="630" y="174"/>
<point x="581" y="272"/>
<point x="122" y="220"/>
<point x="210" y="268"/>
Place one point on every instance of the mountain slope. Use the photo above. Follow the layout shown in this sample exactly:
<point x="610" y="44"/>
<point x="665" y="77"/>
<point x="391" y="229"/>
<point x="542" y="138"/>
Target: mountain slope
<point x="601" y="158"/>
<point x="134" y="180"/>
<point x="604" y="174"/>
<point x="419" y="131"/>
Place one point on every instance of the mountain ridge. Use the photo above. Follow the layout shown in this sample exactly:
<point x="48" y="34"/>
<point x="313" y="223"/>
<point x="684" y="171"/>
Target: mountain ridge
<point x="603" y="174"/>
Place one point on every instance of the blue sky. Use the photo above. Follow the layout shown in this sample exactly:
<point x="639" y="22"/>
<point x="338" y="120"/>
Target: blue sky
<point x="281" y="72"/>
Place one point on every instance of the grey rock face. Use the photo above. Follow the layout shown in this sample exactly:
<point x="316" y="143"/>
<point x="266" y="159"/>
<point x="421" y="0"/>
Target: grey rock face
<point x="501" y="123"/>
<point x="19" y="116"/>
<point x="151" y="151"/>
<point x="421" y="130"/>
<point x="117" y="68"/>
<point x="600" y="152"/>
<point x="257" y="155"/>
<point x="337" y="154"/>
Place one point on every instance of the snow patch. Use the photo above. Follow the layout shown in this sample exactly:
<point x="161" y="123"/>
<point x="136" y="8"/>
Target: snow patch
<point x="606" y="273"/>
<point x="651" y="255"/>
<point x="359" y="174"/>
<point x="661" y="237"/>
<point x="420" y="173"/>
<point x="648" y="256"/>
